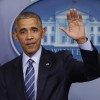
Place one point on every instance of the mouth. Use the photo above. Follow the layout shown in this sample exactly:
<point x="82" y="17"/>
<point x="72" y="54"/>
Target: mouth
<point x="31" y="44"/>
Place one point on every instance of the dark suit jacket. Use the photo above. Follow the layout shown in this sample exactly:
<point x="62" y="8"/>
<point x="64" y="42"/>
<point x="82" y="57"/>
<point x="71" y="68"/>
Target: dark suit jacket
<point x="57" y="71"/>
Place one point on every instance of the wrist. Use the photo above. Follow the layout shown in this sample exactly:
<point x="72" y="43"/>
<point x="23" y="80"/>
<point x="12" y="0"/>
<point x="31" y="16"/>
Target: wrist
<point x="82" y="40"/>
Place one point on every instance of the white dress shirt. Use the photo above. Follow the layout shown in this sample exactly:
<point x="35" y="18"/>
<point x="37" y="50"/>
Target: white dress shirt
<point x="36" y="58"/>
<point x="86" y="46"/>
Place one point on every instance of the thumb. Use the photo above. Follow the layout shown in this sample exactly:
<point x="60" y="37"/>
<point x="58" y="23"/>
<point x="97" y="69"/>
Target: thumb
<point x="64" y="29"/>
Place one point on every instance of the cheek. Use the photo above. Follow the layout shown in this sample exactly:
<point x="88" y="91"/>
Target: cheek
<point x="21" y="41"/>
<point x="38" y="36"/>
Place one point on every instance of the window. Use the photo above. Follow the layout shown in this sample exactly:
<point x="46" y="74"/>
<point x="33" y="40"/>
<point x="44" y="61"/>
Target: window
<point x="92" y="29"/>
<point x="98" y="29"/>
<point x="52" y="39"/>
<point x="63" y="39"/>
<point x="98" y="39"/>
<point x="72" y="41"/>
<point x="92" y="37"/>
<point x="45" y="39"/>
<point x="53" y="28"/>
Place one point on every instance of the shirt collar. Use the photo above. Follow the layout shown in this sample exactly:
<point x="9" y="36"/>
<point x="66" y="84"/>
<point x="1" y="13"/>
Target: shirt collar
<point x="35" y="57"/>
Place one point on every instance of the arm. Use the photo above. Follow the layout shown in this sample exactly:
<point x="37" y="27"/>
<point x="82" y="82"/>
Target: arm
<point x="89" y="69"/>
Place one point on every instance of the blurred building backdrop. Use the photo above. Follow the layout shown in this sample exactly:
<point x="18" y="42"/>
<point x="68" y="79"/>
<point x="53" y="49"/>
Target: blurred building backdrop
<point x="53" y="14"/>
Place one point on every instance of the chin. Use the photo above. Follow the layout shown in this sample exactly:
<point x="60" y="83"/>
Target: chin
<point x="32" y="52"/>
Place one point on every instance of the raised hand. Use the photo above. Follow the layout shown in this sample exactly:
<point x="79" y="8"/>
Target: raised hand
<point x="76" y="28"/>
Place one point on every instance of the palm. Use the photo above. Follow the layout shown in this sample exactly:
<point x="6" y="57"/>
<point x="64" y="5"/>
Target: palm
<point x="76" y="29"/>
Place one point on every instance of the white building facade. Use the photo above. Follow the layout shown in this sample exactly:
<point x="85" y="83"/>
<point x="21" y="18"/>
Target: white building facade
<point x="57" y="38"/>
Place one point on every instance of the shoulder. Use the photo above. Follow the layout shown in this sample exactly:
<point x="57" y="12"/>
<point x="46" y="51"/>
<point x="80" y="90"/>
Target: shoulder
<point x="62" y="53"/>
<point x="11" y="64"/>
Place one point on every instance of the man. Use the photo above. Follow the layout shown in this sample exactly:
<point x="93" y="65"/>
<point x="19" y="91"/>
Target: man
<point x="48" y="75"/>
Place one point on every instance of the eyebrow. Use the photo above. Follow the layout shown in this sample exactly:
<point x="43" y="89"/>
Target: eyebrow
<point x="23" y="29"/>
<point x="34" y="28"/>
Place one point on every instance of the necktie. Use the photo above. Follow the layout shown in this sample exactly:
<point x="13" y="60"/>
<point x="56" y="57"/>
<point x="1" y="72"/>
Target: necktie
<point x="30" y="81"/>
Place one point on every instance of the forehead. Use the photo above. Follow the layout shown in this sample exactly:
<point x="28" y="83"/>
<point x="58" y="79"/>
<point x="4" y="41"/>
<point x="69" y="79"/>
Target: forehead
<point x="28" y="22"/>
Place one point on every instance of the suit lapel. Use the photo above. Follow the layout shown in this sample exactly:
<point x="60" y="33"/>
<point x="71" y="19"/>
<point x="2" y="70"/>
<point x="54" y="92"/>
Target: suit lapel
<point x="19" y="78"/>
<point x="44" y="67"/>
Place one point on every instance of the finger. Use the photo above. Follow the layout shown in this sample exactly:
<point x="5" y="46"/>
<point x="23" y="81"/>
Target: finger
<point x="75" y="14"/>
<point x="72" y="14"/>
<point x="68" y="16"/>
<point x="80" y="16"/>
<point x="64" y="29"/>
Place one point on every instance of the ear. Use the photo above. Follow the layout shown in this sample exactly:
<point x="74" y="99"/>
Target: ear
<point x="14" y="34"/>
<point x="43" y="32"/>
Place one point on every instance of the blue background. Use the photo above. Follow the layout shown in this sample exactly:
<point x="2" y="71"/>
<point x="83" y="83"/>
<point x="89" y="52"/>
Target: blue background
<point x="9" y="9"/>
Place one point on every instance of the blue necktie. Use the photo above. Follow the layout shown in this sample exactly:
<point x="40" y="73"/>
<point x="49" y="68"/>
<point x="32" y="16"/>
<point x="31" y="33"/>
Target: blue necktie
<point x="30" y="81"/>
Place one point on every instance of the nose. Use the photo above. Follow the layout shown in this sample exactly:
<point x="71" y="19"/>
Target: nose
<point x="29" y="35"/>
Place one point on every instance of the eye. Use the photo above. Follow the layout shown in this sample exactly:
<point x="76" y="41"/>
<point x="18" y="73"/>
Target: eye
<point x="22" y="32"/>
<point x="34" y="30"/>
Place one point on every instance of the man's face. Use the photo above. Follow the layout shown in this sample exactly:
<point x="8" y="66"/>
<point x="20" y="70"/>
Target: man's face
<point x="29" y="33"/>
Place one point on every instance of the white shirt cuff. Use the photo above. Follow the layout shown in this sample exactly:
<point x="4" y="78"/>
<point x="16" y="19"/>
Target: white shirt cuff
<point x="86" y="46"/>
